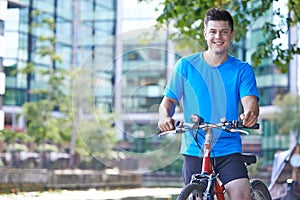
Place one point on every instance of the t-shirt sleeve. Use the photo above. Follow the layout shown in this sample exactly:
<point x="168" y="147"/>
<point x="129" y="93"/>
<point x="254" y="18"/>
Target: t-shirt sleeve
<point x="248" y="85"/>
<point x="174" y="89"/>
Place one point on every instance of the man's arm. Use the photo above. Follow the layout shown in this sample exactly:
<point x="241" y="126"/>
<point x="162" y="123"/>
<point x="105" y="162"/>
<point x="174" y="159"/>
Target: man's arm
<point x="166" y="111"/>
<point x="251" y="110"/>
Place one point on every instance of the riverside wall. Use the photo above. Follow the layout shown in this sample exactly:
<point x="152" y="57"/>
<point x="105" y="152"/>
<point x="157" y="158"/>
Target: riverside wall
<point x="17" y="180"/>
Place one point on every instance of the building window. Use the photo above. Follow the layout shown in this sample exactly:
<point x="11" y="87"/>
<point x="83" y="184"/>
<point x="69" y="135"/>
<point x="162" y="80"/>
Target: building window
<point x="1" y="64"/>
<point x="1" y="27"/>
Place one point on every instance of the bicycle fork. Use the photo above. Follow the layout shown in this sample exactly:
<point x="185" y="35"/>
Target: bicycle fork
<point x="208" y="180"/>
<point x="208" y="194"/>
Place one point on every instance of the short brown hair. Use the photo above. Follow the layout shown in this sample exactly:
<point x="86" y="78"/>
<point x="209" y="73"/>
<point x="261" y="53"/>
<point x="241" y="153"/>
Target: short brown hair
<point x="218" y="14"/>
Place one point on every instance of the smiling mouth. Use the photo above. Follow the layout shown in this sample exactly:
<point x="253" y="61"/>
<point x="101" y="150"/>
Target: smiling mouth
<point x="218" y="43"/>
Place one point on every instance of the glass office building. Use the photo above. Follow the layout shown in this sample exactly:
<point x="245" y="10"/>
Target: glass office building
<point x="104" y="35"/>
<point x="8" y="46"/>
<point x="143" y="70"/>
<point x="80" y="27"/>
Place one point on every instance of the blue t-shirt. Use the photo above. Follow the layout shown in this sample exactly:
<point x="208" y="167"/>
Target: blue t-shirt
<point x="213" y="93"/>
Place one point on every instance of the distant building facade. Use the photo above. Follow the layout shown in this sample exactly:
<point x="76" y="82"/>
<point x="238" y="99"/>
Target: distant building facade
<point x="102" y="34"/>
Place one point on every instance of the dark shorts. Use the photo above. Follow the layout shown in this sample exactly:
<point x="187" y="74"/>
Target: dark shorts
<point x="229" y="167"/>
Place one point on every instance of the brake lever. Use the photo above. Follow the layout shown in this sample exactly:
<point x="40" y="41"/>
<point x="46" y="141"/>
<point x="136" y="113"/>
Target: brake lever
<point x="176" y="131"/>
<point x="239" y="131"/>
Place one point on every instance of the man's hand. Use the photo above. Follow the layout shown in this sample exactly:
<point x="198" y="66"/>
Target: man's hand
<point x="251" y="111"/>
<point x="249" y="119"/>
<point x="166" y="124"/>
<point x="166" y="110"/>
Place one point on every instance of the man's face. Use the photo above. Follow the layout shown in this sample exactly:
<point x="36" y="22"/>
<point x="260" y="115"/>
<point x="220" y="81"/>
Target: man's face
<point x="218" y="35"/>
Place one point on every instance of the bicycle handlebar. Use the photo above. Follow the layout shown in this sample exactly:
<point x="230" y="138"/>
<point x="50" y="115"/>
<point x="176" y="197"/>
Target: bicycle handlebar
<point x="229" y="126"/>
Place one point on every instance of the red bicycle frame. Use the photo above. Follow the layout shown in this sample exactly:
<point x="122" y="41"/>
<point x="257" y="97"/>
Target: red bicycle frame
<point x="207" y="166"/>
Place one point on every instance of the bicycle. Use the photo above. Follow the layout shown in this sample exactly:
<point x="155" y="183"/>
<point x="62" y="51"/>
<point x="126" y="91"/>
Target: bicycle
<point x="206" y="184"/>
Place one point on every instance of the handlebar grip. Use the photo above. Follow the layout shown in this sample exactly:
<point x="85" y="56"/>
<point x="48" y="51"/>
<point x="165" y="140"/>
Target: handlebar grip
<point x="240" y="125"/>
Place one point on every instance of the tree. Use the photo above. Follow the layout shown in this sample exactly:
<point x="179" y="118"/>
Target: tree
<point x="52" y="94"/>
<point x="41" y="124"/>
<point x="287" y="114"/>
<point x="94" y="126"/>
<point x="186" y="17"/>
<point x="57" y="114"/>
<point x="98" y="138"/>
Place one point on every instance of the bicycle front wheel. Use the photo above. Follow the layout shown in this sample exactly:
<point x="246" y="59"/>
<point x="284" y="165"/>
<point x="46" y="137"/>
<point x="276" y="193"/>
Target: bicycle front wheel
<point x="259" y="190"/>
<point x="192" y="191"/>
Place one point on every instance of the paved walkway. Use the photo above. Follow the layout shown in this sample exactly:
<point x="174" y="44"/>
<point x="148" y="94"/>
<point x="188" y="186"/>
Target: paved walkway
<point x="93" y="194"/>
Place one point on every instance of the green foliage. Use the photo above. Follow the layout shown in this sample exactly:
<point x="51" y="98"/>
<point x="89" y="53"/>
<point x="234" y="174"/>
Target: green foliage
<point x="294" y="6"/>
<point x="174" y="167"/>
<point x="187" y="16"/>
<point x="93" y="125"/>
<point x="17" y="147"/>
<point x="166" y="157"/>
<point x="47" y="148"/>
<point x="42" y="125"/>
<point x="99" y="137"/>
<point x="10" y="136"/>
<point x="288" y="114"/>
<point x="28" y="69"/>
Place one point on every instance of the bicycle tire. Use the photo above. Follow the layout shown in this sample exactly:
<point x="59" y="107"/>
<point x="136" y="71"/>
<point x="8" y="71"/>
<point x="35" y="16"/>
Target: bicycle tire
<point x="259" y="190"/>
<point x="192" y="191"/>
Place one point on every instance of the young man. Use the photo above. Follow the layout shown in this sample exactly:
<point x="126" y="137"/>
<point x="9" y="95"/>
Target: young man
<point x="211" y="84"/>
